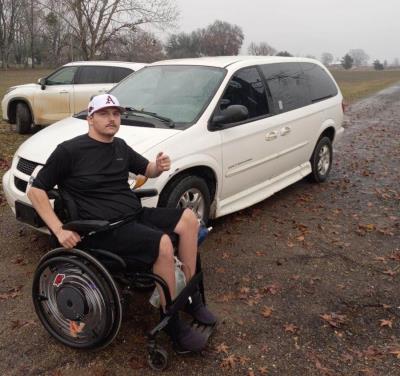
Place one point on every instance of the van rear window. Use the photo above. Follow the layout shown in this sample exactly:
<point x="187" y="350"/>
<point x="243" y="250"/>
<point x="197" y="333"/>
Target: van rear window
<point x="320" y="84"/>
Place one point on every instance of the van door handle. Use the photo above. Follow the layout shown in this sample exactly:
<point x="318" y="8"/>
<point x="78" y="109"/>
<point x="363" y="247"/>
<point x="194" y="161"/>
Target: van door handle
<point x="64" y="92"/>
<point x="271" y="136"/>
<point x="285" y="131"/>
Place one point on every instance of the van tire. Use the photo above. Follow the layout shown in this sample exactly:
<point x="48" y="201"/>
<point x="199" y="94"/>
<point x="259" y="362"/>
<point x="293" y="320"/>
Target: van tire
<point x="187" y="192"/>
<point x="321" y="160"/>
<point x="23" y="118"/>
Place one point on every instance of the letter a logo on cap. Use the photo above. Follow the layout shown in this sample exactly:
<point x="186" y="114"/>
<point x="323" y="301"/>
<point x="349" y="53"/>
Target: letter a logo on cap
<point x="109" y="100"/>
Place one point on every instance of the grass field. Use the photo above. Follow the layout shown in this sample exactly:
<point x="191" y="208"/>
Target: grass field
<point x="359" y="84"/>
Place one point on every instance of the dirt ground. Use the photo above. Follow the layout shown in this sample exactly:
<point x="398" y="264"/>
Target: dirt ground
<point x="304" y="283"/>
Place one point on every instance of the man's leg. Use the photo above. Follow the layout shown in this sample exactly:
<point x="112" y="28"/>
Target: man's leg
<point x="188" y="228"/>
<point x="164" y="267"/>
<point x="182" y="335"/>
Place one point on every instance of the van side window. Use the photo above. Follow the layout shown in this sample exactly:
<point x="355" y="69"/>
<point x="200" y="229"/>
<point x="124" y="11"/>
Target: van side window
<point x="119" y="73"/>
<point x="287" y="85"/>
<point x="95" y="75"/>
<point x="321" y="85"/>
<point x="247" y="89"/>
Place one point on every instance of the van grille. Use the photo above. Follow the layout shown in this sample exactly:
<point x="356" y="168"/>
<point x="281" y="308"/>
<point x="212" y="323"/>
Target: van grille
<point x="26" y="166"/>
<point x="20" y="184"/>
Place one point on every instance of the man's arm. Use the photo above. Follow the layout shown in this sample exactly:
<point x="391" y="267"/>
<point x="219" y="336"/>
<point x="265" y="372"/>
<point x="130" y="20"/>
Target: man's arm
<point x="162" y="163"/>
<point x="41" y="203"/>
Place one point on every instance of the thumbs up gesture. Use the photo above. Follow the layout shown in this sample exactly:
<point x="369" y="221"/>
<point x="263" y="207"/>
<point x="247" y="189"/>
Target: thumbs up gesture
<point x="163" y="162"/>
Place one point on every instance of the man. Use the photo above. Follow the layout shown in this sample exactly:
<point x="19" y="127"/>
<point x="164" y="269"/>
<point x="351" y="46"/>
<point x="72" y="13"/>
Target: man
<point x="93" y="169"/>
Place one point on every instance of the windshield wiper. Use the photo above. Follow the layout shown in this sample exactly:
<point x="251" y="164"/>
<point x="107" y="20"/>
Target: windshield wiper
<point x="164" y="119"/>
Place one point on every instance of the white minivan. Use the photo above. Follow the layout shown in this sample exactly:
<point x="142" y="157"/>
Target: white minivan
<point x="237" y="129"/>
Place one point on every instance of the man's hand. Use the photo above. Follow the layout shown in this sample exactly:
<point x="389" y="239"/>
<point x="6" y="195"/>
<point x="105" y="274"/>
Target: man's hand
<point x="163" y="162"/>
<point x="68" y="239"/>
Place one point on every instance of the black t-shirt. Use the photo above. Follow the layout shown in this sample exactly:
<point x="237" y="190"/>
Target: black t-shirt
<point x="95" y="174"/>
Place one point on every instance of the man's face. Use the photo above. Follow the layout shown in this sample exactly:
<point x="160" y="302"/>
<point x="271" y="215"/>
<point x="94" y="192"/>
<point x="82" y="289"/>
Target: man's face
<point x="105" y="122"/>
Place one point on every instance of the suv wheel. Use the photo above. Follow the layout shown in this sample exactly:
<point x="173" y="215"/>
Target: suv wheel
<point x="321" y="160"/>
<point x="188" y="192"/>
<point x="23" y="118"/>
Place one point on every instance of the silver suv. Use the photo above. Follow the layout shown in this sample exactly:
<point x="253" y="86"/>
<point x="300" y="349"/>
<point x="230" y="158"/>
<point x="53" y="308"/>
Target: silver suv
<point x="64" y="92"/>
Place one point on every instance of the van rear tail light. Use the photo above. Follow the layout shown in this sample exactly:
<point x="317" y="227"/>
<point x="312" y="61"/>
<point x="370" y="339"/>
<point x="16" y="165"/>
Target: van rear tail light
<point x="344" y="106"/>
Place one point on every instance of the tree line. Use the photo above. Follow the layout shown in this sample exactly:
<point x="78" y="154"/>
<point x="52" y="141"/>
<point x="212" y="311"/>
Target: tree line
<point x="50" y="33"/>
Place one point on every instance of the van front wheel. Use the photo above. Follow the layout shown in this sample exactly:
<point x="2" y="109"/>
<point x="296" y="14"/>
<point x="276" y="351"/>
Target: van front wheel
<point x="321" y="160"/>
<point x="188" y="192"/>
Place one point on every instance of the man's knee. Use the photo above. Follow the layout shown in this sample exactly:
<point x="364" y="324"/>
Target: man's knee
<point x="166" y="251"/>
<point x="190" y="220"/>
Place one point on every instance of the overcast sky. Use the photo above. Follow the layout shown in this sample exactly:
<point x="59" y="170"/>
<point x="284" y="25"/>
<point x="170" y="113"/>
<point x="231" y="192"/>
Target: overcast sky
<point x="305" y="27"/>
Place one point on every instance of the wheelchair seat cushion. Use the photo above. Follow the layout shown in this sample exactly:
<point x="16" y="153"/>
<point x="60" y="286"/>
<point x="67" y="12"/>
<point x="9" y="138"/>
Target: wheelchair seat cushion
<point x="139" y="239"/>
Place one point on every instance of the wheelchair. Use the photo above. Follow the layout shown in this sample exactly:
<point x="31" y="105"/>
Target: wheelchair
<point x="77" y="293"/>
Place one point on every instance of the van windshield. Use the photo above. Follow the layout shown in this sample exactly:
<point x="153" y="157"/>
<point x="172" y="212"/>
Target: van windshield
<point x="180" y="93"/>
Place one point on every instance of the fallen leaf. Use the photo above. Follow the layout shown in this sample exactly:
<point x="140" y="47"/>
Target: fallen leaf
<point x="388" y="323"/>
<point x="395" y="352"/>
<point x="290" y="328"/>
<point x="267" y="311"/>
<point x="333" y="319"/>
<point x="222" y="348"/>
<point x="272" y="288"/>
<point x="12" y="293"/>
<point x="229" y="362"/>
<point x="243" y="360"/>
<point x="17" y="324"/>
<point x="263" y="370"/>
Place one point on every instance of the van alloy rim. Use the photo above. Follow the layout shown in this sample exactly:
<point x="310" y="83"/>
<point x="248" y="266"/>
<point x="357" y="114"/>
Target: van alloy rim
<point x="324" y="160"/>
<point x="194" y="200"/>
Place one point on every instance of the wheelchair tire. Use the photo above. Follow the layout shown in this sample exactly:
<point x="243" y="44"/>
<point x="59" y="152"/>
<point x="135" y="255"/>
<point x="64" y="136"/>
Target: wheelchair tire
<point x="158" y="359"/>
<point x="76" y="299"/>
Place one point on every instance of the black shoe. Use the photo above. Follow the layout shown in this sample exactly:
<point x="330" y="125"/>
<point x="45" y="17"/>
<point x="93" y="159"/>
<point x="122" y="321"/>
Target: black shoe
<point x="199" y="311"/>
<point x="185" y="339"/>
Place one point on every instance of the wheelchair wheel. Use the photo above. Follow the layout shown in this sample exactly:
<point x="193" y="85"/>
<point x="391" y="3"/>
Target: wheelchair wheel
<point x="158" y="359"/>
<point x="76" y="299"/>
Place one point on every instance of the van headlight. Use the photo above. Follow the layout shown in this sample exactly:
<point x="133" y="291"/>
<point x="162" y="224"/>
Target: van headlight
<point x="137" y="181"/>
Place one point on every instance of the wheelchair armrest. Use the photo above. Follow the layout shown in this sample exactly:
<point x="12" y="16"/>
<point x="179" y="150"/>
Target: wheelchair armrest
<point x="85" y="226"/>
<point x="146" y="192"/>
<point x="53" y="194"/>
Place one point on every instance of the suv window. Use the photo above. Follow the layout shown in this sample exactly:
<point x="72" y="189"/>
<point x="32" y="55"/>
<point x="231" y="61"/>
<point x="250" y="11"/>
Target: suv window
<point x="119" y="73"/>
<point x="95" y="75"/>
<point x="287" y="85"/>
<point x="320" y="84"/>
<point x="64" y="76"/>
<point x="247" y="89"/>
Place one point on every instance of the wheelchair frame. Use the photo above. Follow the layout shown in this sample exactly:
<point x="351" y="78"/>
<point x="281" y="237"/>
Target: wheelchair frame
<point x="72" y="285"/>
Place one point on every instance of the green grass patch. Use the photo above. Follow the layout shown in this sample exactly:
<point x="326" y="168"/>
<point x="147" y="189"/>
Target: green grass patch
<point x="359" y="84"/>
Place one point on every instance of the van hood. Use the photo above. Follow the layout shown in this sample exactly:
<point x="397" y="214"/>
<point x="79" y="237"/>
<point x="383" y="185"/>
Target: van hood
<point x="38" y="147"/>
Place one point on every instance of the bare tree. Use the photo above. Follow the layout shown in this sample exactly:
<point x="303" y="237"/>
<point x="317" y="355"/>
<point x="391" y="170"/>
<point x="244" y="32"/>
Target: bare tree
<point x="138" y="46"/>
<point x="327" y="58"/>
<point x="10" y="11"/>
<point x="96" y="22"/>
<point x="359" y="57"/>
<point x="221" y="39"/>
<point x="261" y="49"/>
<point x="184" y="45"/>
<point x="284" y="53"/>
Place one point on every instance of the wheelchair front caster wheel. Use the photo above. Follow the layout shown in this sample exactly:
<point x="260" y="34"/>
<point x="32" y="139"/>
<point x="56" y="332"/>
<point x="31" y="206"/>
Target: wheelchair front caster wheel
<point x="158" y="359"/>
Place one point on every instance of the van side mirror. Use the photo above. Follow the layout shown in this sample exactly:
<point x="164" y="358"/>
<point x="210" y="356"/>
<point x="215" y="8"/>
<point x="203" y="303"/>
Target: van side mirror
<point x="42" y="83"/>
<point x="232" y="114"/>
